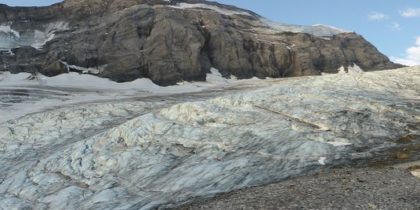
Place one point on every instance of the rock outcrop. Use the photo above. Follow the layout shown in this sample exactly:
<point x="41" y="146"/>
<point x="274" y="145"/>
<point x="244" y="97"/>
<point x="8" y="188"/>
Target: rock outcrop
<point x="171" y="41"/>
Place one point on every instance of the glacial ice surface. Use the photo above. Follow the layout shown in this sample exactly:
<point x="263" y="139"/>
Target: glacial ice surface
<point x="23" y="93"/>
<point x="145" y="154"/>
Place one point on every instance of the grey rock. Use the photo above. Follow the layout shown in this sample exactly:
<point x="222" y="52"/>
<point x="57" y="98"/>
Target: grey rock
<point x="162" y="41"/>
<point x="348" y="188"/>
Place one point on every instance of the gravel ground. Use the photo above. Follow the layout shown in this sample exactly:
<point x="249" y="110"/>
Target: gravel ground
<point x="348" y="188"/>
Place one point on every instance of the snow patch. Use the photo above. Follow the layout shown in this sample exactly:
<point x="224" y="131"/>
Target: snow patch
<point x="8" y="30"/>
<point x="76" y="88"/>
<point x="342" y="70"/>
<point x="316" y="30"/>
<point x="88" y="81"/>
<point x="76" y="80"/>
<point x="209" y="7"/>
<point x="322" y="160"/>
<point x="84" y="70"/>
<point x="331" y="28"/>
<point x="354" y="69"/>
<point x="42" y="37"/>
<point x="10" y="38"/>
<point x="215" y="77"/>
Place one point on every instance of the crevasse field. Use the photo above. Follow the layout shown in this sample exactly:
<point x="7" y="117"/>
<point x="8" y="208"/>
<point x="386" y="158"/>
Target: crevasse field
<point x="103" y="145"/>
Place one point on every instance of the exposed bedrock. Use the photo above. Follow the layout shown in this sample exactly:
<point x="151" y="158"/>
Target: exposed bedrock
<point x="172" y="41"/>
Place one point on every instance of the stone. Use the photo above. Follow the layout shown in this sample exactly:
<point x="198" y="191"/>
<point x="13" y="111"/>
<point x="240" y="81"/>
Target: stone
<point x="173" y="41"/>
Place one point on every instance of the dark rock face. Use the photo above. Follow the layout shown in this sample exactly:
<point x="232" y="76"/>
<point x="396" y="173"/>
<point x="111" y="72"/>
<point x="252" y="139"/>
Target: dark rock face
<point x="169" y="41"/>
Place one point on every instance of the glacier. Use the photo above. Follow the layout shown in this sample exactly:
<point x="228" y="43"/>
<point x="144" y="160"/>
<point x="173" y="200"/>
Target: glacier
<point x="25" y="93"/>
<point x="164" y="150"/>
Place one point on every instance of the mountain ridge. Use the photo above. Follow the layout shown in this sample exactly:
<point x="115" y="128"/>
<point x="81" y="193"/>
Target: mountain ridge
<point x="172" y="41"/>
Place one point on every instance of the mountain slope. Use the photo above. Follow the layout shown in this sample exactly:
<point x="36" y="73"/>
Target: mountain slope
<point x="172" y="41"/>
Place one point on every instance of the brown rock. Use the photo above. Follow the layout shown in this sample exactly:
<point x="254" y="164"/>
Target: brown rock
<point x="131" y="39"/>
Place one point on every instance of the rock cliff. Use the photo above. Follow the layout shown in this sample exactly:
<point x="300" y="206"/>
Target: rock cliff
<point x="171" y="41"/>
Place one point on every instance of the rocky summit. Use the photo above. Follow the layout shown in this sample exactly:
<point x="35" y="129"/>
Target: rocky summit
<point x="172" y="41"/>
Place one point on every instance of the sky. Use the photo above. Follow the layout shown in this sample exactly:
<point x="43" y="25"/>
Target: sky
<point x="393" y="26"/>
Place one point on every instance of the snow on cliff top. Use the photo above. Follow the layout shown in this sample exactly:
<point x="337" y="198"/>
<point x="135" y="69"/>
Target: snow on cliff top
<point x="218" y="9"/>
<point x="316" y="30"/>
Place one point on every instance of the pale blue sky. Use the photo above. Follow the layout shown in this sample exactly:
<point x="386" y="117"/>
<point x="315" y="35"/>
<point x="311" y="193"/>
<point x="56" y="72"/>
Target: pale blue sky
<point x="392" y="26"/>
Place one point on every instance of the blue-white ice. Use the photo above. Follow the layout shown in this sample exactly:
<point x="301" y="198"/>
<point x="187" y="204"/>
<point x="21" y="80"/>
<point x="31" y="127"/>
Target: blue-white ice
<point x="141" y="154"/>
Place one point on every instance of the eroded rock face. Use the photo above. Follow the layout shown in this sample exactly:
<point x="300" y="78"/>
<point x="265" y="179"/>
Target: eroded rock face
<point x="171" y="41"/>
